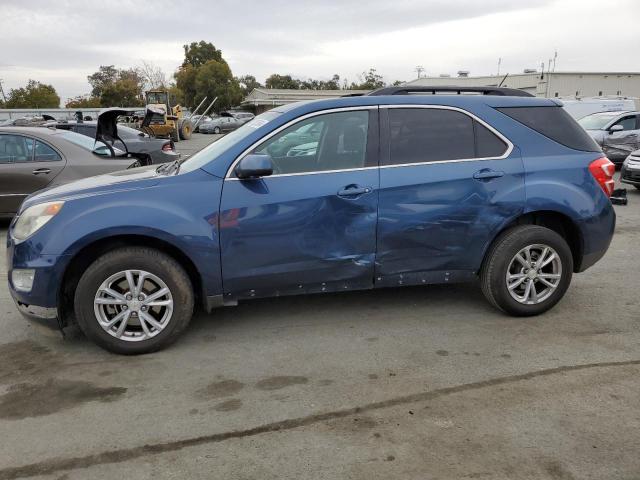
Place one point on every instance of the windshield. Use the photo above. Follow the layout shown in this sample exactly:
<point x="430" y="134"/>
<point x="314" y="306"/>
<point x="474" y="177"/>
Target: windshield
<point x="595" y="122"/>
<point x="83" y="141"/>
<point x="214" y="150"/>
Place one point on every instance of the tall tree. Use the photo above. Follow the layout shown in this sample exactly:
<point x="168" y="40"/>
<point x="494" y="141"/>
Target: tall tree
<point x="117" y="87"/>
<point x="214" y="79"/>
<point x="33" y="95"/>
<point x="282" y="81"/>
<point x="152" y="76"/>
<point x="248" y="83"/>
<point x="199" y="53"/>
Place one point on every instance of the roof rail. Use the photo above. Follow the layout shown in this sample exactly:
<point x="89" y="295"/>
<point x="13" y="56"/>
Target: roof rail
<point x="455" y="90"/>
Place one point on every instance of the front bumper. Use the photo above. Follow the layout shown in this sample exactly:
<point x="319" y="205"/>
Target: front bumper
<point x="630" y="176"/>
<point x="41" y="303"/>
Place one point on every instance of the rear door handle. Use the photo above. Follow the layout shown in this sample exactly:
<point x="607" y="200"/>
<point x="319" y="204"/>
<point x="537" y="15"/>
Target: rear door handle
<point x="353" y="191"/>
<point x="487" y="174"/>
<point x="44" y="171"/>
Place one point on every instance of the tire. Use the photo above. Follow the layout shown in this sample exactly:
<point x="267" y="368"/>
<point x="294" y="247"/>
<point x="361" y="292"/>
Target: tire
<point x="174" y="135"/>
<point x="185" y="130"/>
<point x="216" y="130"/>
<point x="162" y="272"/>
<point x="501" y="260"/>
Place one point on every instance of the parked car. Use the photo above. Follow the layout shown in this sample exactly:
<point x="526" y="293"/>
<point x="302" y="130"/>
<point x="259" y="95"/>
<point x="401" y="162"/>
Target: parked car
<point x="243" y="117"/>
<point x="33" y="158"/>
<point x="630" y="171"/>
<point x="221" y="124"/>
<point x="27" y="121"/>
<point x="397" y="190"/>
<point x="618" y="133"/>
<point x="197" y="120"/>
<point x="158" y="150"/>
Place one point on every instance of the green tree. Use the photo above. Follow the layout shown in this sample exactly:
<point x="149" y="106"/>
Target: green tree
<point x="82" y="101"/>
<point x="311" y="84"/>
<point x="186" y="83"/>
<point x="282" y="81"/>
<point x="117" y="87"/>
<point x="247" y="84"/>
<point x="34" y="95"/>
<point x="199" y="53"/>
<point x="368" y="81"/>
<point x="214" y="79"/>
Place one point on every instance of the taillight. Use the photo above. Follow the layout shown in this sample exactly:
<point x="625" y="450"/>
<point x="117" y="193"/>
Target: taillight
<point x="602" y="170"/>
<point x="167" y="147"/>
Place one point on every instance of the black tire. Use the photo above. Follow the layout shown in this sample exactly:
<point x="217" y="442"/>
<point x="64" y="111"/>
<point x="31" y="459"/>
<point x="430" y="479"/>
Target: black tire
<point x="175" y="135"/>
<point x="503" y="251"/>
<point x="185" y="130"/>
<point x="216" y="130"/>
<point x="134" y="258"/>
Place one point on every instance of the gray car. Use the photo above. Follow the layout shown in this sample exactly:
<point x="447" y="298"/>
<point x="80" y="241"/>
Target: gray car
<point x="221" y="124"/>
<point x="33" y="158"/>
<point x="618" y="133"/>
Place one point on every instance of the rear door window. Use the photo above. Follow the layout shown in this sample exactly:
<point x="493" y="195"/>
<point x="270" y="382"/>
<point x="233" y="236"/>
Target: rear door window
<point x="423" y="135"/>
<point x="44" y="153"/>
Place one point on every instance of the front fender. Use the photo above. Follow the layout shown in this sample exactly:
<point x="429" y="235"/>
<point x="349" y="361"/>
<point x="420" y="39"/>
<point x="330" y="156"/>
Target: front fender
<point x="182" y="211"/>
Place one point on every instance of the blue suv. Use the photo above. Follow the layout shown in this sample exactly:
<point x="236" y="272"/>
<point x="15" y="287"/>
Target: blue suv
<point x="398" y="187"/>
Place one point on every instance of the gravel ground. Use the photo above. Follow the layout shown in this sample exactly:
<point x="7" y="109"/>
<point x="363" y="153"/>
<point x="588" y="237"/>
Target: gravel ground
<point x="413" y="383"/>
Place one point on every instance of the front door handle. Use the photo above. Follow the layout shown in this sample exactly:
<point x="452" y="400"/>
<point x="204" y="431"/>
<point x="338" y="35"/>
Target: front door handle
<point x="353" y="191"/>
<point x="44" y="171"/>
<point x="487" y="174"/>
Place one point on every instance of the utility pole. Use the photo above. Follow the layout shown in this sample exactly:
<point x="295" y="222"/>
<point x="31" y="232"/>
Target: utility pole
<point x="419" y="69"/>
<point x="499" y="63"/>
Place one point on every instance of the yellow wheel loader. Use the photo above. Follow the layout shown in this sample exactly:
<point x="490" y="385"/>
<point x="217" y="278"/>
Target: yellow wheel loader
<point x="163" y="120"/>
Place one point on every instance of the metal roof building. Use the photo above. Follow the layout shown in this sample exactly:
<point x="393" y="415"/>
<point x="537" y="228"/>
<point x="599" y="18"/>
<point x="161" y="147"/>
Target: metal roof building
<point x="549" y="84"/>
<point x="261" y="99"/>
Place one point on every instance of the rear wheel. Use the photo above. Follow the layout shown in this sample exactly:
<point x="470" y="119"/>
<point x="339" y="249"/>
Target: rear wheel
<point x="527" y="270"/>
<point x="134" y="300"/>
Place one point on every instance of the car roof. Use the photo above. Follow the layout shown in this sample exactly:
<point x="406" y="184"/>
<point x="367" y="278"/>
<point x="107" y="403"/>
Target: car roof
<point x="37" y="131"/>
<point x="460" y="101"/>
<point x="612" y="114"/>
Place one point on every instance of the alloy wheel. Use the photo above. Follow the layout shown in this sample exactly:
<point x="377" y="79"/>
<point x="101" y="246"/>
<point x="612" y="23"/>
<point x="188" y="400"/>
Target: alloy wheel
<point x="534" y="273"/>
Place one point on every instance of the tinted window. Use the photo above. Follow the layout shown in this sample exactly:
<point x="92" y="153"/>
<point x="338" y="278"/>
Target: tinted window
<point x="427" y="135"/>
<point x="628" y="123"/>
<point x="487" y="143"/>
<point x="15" y="149"/>
<point x="44" y="153"/>
<point x="554" y="123"/>
<point x="334" y="141"/>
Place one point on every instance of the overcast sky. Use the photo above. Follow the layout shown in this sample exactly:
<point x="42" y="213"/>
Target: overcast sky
<point x="62" y="42"/>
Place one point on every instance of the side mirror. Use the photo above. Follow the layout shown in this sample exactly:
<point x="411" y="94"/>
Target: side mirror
<point x="616" y="128"/>
<point x="254" y="165"/>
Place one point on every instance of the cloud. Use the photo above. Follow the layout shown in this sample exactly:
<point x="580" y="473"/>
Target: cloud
<point x="64" y="42"/>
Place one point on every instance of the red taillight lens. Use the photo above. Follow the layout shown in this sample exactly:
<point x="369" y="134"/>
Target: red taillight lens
<point x="602" y="170"/>
<point x="167" y="147"/>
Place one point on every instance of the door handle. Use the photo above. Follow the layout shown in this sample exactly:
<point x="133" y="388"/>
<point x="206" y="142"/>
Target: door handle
<point x="487" y="174"/>
<point x="353" y="191"/>
<point x="38" y="171"/>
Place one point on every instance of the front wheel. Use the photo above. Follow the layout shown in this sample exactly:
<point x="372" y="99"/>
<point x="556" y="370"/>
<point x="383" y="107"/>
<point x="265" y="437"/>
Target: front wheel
<point x="216" y="130"/>
<point x="134" y="300"/>
<point x="527" y="270"/>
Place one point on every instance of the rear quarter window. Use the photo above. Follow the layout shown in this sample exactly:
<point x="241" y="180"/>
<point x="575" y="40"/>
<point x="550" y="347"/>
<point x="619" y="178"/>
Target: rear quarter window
<point x="554" y="123"/>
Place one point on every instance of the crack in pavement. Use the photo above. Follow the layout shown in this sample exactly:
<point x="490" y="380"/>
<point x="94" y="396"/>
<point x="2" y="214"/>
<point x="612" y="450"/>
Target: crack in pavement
<point x="54" y="465"/>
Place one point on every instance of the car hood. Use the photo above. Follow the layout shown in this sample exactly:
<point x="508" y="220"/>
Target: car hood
<point x="132" y="179"/>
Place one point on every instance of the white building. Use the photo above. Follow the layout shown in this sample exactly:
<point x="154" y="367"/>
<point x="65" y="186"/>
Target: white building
<point x="552" y="84"/>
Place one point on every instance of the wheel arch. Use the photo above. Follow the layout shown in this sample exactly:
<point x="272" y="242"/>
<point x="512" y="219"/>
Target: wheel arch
<point x="82" y="258"/>
<point x="560" y="223"/>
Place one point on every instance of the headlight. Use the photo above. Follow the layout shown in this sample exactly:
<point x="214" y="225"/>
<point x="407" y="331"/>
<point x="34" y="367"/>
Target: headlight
<point x="34" y="218"/>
